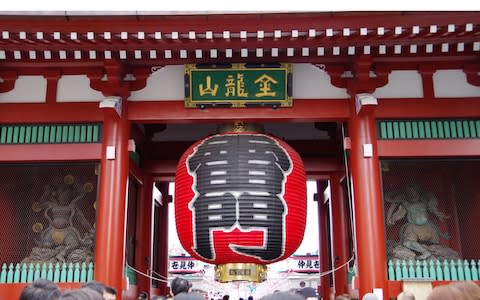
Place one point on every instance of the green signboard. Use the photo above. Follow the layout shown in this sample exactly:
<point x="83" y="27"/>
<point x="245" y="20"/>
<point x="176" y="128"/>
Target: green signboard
<point x="238" y="86"/>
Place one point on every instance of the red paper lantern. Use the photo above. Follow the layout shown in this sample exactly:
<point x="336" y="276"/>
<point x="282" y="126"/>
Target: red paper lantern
<point x="240" y="198"/>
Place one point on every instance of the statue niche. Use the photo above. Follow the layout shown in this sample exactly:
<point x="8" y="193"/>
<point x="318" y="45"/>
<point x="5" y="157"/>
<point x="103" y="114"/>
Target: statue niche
<point x="419" y="236"/>
<point x="62" y="241"/>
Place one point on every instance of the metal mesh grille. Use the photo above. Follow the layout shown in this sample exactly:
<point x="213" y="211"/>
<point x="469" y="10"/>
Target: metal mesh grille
<point x="430" y="208"/>
<point x="47" y="212"/>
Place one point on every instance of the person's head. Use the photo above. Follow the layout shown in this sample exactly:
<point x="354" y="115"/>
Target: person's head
<point x="110" y="293"/>
<point x="406" y="295"/>
<point x="81" y="294"/>
<point x="106" y="291"/>
<point x="302" y="283"/>
<point x="179" y="285"/>
<point x="40" y="289"/>
<point x="142" y="295"/>
<point x="282" y="296"/>
<point x="226" y="297"/>
<point x="188" y="296"/>
<point x="469" y="288"/>
<point x="250" y="297"/>
<point x="95" y="285"/>
<point x="445" y="292"/>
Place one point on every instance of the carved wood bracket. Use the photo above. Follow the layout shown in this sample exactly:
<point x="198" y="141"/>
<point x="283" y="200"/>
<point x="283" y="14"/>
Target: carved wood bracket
<point x="473" y="73"/>
<point x="116" y="80"/>
<point x="361" y="76"/>
<point x="7" y="80"/>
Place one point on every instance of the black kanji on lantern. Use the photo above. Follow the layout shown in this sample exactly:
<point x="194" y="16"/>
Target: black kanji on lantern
<point x="239" y="181"/>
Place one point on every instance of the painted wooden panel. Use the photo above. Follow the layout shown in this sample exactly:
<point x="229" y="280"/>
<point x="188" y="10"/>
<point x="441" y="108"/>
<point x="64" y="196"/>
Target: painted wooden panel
<point x="28" y="89"/>
<point x="401" y="84"/>
<point x="76" y="88"/>
<point x="453" y="83"/>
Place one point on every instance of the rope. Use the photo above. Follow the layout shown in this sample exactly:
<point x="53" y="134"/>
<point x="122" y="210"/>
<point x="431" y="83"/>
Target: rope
<point x="351" y="200"/>
<point x="147" y="275"/>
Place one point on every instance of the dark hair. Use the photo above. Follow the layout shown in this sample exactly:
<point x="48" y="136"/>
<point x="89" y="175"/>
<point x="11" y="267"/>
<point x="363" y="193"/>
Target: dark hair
<point x="99" y="287"/>
<point x="110" y="290"/>
<point x="226" y="297"/>
<point x="188" y="296"/>
<point x="250" y="297"/>
<point x="180" y="285"/>
<point x="142" y="295"/>
<point x="81" y="294"/>
<point x="40" y="289"/>
<point x="282" y="296"/>
<point x="95" y="285"/>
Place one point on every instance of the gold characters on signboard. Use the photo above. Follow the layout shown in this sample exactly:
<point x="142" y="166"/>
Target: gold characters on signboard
<point x="208" y="90"/>
<point x="235" y="87"/>
<point x="265" y="83"/>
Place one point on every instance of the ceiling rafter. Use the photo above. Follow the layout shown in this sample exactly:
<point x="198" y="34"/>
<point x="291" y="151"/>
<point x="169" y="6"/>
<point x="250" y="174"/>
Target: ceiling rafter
<point x="195" y="39"/>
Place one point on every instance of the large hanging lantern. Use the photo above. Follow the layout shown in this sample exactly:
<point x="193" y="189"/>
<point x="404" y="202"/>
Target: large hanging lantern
<point x="240" y="202"/>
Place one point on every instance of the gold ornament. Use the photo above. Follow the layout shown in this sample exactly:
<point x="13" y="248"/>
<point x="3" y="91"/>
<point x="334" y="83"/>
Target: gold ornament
<point x="240" y="126"/>
<point x="58" y="236"/>
<point x="68" y="179"/>
<point x="37" y="227"/>
<point x="240" y="271"/>
<point x="36" y="207"/>
<point x="88" y="187"/>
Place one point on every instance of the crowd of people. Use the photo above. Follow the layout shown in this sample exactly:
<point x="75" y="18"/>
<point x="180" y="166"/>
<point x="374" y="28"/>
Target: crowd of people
<point x="457" y="290"/>
<point x="42" y="289"/>
<point x="181" y="289"/>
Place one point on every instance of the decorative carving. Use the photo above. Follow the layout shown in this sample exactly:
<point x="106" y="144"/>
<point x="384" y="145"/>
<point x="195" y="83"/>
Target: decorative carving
<point x="61" y="241"/>
<point x="419" y="236"/>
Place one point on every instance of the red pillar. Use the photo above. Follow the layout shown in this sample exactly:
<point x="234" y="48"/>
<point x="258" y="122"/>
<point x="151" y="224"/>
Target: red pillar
<point x="144" y="234"/>
<point x="370" y="237"/>
<point x="163" y="261"/>
<point x="340" y="236"/>
<point x="323" y="241"/>
<point x="112" y="200"/>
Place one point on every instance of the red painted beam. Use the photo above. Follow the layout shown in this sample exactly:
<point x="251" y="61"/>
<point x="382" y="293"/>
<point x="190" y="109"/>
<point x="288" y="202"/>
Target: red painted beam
<point x="431" y="148"/>
<point x="428" y="108"/>
<point x="50" y="113"/>
<point x="175" y="112"/>
<point x="55" y="152"/>
<point x="311" y="110"/>
<point x="405" y="61"/>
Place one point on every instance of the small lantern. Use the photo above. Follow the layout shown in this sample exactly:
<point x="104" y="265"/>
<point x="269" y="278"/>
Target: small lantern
<point x="240" y="203"/>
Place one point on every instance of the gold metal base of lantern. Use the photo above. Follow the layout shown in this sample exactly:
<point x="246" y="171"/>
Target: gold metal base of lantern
<point x="240" y="126"/>
<point x="240" y="272"/>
